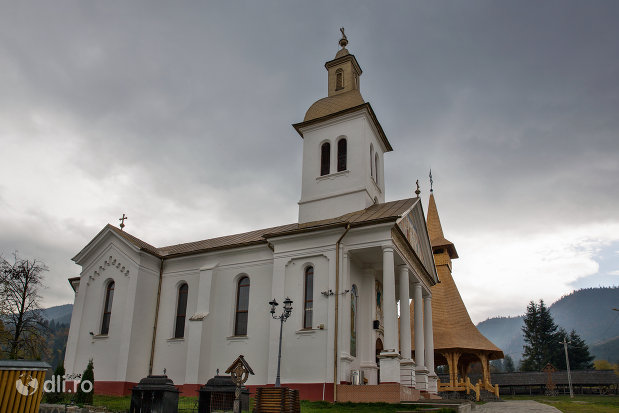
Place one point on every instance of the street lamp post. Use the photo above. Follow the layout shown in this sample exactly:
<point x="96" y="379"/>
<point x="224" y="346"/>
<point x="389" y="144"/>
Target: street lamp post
<point x="282" y="318"/>
<point x="567" y="362"/>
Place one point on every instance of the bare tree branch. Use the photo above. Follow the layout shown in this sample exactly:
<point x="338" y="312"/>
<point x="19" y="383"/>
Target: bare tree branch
<point x="20" y="282"/>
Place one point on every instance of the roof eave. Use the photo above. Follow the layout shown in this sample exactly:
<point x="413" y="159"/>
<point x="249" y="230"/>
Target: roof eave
<point x="451" y="249"/>
<point x="339" y="60"/>
<point x="72" y="282"/>
<point x="366" y="105"/>
<point x="212" y="249"/>
<point x="332" y="225"/>
<point x="109" y="229"/>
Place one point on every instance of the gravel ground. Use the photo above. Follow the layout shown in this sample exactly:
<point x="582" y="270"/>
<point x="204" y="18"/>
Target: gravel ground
<point x="515" y="406"/>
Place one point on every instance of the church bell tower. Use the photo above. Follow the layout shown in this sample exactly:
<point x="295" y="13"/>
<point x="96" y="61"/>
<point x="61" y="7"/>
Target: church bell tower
<point x="343" y="146"/>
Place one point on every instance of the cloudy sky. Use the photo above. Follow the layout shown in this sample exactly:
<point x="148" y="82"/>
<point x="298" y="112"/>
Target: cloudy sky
<point x="178" y="114"/>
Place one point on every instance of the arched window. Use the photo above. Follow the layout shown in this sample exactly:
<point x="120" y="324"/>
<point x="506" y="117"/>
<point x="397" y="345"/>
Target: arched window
<point x="341" y="155"/>
<point x="308" y="299"/>
<point x="353" y="321"/>
<point x="107" y="309"/>
<point x="181" y="311"/>
<point x="325" y="159"/>
<point x="242" y="306"/>
<point x="372" y="160"/>
<point x="376" y="168"/>
<point x="339" y="79"/>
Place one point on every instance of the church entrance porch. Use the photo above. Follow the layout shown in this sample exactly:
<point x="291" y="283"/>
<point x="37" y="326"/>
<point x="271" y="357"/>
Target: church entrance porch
<point x="384" y="276"/>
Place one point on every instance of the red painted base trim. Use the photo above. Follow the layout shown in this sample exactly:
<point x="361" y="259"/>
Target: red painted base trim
<point x="189" y="390"/>
<point x="114" y="388"/>
<point x="307" y="391"/>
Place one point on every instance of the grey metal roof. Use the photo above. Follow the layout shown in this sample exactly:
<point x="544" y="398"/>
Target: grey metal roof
<point x="375" y="213"/>
<point x="24" y="365"/>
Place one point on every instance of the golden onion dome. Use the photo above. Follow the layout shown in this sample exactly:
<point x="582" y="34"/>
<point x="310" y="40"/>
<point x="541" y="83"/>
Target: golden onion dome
<point x="333" y="104"/>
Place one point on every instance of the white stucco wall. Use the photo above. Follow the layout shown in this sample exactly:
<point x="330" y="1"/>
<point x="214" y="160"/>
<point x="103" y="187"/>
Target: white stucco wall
<point x="114" y="355"/>
<point x="209" y="343"/>
<point x="340" y="192"/>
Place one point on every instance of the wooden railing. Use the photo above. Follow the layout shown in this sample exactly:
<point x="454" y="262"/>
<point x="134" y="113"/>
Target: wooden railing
<point x="476" y="388"/>
<point x="465" y="386"/>
<point x="492" y="389"/>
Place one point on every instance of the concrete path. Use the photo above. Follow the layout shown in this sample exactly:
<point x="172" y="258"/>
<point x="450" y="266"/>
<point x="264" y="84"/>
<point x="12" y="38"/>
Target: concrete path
<point x="515" y="406"/>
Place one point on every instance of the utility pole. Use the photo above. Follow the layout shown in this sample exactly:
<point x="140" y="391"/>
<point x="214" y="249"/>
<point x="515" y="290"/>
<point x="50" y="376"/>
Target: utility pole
<point x="567" y="362"/>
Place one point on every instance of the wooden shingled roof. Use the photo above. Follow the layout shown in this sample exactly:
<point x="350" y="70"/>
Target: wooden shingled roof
<point x="385" y="212"/>
<point x="453" y="328"/>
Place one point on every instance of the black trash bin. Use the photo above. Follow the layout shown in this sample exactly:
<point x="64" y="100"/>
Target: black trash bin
<point x="218" y="394"/>
<point x="154" y="394"/>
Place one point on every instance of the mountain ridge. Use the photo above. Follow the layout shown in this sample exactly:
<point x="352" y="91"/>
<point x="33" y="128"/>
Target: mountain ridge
<point x="587" y="311"/>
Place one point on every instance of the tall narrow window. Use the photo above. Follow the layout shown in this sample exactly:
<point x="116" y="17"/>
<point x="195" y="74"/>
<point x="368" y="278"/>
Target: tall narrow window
<point x="353" y="321"/>
<point x="242" y="307"/>
<point x="376" y="167"/>
<point x="325" y="159"/>
<point x="341" y="155"/>
<point x="181" y="311"/>
<point x="107" y="309"/>
<point x="371" y="160"/>
<point x="309" y="297"/>
<point x="339" y="79"/>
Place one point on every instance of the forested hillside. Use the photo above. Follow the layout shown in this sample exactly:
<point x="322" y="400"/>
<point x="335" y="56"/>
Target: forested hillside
<point x="588" y="311"/>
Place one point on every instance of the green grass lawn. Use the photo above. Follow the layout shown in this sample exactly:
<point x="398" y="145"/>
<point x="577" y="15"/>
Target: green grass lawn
<point x="579" y="404"/>
<point x="121" y="404"/>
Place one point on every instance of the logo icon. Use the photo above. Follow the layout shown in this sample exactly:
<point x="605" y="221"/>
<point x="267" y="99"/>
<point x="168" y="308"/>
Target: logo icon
<point x="28" y="387"/>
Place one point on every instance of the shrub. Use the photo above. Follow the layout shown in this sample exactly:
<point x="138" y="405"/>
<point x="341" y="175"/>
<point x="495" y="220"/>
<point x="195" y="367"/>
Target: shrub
<point x="82" y="397"/>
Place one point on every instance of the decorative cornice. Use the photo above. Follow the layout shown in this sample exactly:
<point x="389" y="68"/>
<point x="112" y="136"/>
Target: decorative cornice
<point x="109" y="262"/>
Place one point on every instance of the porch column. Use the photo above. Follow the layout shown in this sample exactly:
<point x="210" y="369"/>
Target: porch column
<point x="421" y="375"/>
<point x="345" y="327"/>
<point x="389" y="357"/>
<point x="407" y="367"/>
<point x="429" y="343"/>
<point x="389" y="305"/>
<point x="366" y="335"/>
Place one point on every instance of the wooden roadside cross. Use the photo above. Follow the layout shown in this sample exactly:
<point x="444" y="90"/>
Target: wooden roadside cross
<point x="239" y="371"/>
<point x="550" y="386"/>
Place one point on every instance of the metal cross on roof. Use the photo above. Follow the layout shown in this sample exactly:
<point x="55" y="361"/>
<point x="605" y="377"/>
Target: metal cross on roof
<point x="431" y="181"/>
<point x="344" y="40"/>
<point x="122" y="221"/>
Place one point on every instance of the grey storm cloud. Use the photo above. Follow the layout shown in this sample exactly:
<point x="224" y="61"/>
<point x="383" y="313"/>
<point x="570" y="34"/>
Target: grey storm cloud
<point x="182" y="112"/>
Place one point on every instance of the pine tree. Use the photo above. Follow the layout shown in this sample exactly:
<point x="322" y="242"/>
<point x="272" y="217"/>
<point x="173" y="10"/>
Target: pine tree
<point x="508" y="364"/>
<point x="496" y="366"/>
<point x="57" y="396"/>
<point x="541" y="338"/>
<point x="580" y="358"/>
<point x="82" y="397"/>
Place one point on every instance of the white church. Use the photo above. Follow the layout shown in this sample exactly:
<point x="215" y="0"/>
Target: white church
<point x="191" y="309"/>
